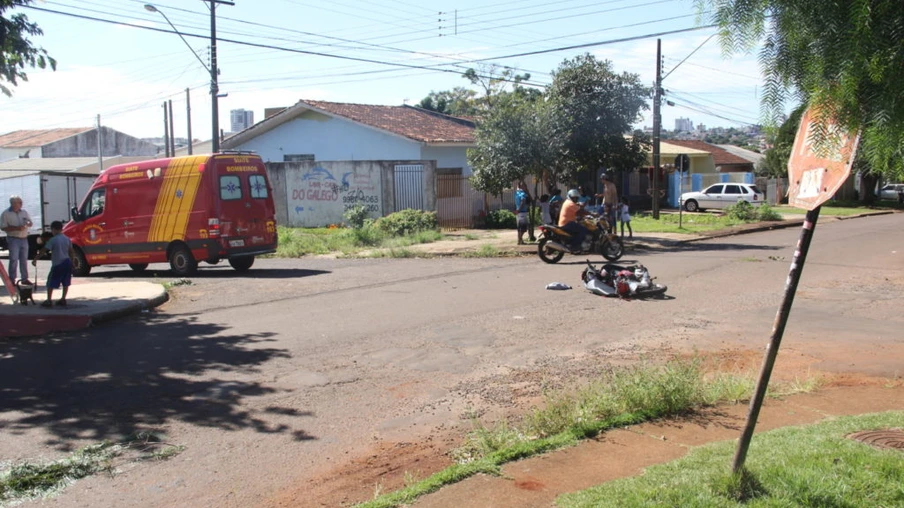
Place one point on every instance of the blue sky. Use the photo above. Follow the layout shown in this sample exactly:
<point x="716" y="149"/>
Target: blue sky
<point x="354" y="51"/>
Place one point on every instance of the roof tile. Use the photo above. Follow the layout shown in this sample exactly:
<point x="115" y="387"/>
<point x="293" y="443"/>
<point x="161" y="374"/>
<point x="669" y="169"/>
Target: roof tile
<point x="408" y="121"/>
<point x="720" y="155"/>
<point x="39" y="137"/>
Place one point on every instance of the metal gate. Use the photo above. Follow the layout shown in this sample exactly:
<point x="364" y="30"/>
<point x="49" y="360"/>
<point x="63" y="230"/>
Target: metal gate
<point x="409" y="187"/>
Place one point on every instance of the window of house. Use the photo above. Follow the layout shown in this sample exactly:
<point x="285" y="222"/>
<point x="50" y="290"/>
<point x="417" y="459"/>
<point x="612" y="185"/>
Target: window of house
<point x="258" y="186"/>
<point x="298" y="157"/>
<point x="230" y="188"/>
<point x="449" y="183"/>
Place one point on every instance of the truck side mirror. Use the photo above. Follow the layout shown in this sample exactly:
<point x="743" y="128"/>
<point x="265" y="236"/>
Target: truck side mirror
<point x="75" y="215"/>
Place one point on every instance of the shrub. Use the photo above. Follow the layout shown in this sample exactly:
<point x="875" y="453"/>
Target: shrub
<point x="501" y="219"/>
<point x="743" y="211"/>
<point x="355" y="216"/>
<point x="767" y="213"/>
<point x="406" y="222"/>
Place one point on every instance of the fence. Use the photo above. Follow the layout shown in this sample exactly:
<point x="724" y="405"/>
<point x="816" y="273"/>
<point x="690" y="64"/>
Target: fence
<point x="460" y="206"/>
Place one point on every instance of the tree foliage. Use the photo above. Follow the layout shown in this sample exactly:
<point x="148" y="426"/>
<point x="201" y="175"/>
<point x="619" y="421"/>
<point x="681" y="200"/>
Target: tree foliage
<point x="597" y="108"/>
<point x="775" y="163"/>
<point x="459" y="101"/>
<point x="843" y="57"/>
<point x="16" y="50"/>
<point x="515" y="139"/>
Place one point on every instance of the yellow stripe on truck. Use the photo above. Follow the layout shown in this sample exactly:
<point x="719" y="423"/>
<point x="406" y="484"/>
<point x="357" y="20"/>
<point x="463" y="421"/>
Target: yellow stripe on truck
<point x="181" y="180"/>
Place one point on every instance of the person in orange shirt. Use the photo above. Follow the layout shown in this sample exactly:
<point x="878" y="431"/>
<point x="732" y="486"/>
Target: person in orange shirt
<point x="572" y="210"/>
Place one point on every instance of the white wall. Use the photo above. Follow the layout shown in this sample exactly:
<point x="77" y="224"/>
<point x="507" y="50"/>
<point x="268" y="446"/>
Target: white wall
<point x="447" y="157"/>
<point x="330" y="139"/>
<point x="8" y="154"/>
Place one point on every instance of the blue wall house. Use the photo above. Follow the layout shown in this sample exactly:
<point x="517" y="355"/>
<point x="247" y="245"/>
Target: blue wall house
<point x="333" y="131"/>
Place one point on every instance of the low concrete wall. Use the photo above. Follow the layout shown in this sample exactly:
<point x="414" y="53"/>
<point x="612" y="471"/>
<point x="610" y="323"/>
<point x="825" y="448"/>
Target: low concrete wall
<point x="317" y="193"/>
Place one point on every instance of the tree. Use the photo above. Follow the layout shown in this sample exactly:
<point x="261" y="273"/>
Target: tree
<point x="597" y="107"/>
<point x="16" y="51"/>
<point x="775" y="164"/>
<point x="843" y="58"/>
<point x="459" y="101"/>
<point x="515" y="139"/>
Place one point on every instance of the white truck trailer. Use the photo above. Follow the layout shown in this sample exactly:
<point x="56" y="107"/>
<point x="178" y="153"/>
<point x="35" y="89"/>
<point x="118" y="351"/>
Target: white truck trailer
<point x="46" y="196"/>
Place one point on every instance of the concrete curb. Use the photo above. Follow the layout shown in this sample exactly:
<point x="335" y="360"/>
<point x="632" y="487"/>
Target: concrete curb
<point x="132" y="308"/>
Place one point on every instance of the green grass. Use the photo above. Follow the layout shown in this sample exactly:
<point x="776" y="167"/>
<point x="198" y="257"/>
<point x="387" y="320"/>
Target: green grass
<point x="297" y="242"/>
<point x="31" y="480"/>
<point x="691" y="223"/>
<point x="815" y="465"/>
<point x="620" y="397"/>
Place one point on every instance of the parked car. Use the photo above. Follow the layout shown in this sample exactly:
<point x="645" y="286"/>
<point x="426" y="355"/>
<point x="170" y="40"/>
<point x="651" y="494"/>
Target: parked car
<point x="890" y="191"/>
<point x="722" y="195"/>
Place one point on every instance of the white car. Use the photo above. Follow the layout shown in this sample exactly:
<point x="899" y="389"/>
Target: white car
<point x="890" y="191"/>
<point x="722" y="195"/>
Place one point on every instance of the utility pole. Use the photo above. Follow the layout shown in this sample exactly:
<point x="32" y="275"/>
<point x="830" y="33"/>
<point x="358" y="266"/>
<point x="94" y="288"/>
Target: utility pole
<point x="100" y="146"/>
<point x="172" y="137"/>
<point x="657" y="127"/>
<point x="188" y="116"/>
<point x="165" y="130"/>
<point x="214" y="86"/>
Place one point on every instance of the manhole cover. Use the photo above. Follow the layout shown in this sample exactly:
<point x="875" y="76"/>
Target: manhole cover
<point x="891" y="438"/>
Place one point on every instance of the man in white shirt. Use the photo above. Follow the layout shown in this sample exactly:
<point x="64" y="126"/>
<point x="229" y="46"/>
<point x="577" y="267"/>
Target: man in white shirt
<point x="15" y="221"/>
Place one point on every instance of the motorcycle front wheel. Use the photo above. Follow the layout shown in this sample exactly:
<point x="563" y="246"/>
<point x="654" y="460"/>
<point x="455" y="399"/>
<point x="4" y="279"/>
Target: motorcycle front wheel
<point x="654" y="290"/>
<point x="546" y="254"/>
<point x="612" y="248"/>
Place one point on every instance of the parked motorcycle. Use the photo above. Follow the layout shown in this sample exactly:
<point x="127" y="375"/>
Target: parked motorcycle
<point x="554" y="241"/>
<point x="623" y="281"/>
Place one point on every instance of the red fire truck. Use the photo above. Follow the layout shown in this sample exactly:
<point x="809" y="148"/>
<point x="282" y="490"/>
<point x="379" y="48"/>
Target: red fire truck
<point x="180" y="210"/>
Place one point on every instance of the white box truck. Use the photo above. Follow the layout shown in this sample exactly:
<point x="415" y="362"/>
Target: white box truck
<point x="46" y="196"/>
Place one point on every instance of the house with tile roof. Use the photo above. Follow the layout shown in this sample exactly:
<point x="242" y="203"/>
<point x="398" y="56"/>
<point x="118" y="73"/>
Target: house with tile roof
<point x="333" y="131"/>
<point x="721" y="160"/>
<point x="71" y="142"/>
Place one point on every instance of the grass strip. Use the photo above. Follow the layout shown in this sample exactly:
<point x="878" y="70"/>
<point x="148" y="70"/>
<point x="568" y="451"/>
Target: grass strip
<point x="813" y="465"/>
<point x="621" y="397"/>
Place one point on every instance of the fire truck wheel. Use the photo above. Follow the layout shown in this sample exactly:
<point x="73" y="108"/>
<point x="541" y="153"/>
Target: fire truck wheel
<point x="80" y="266"/>
<point x="241" y="263"/>
<point x="182" y="262"/>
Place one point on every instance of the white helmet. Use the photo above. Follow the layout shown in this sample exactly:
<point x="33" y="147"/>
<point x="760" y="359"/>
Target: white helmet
<point x="574" y="193"/>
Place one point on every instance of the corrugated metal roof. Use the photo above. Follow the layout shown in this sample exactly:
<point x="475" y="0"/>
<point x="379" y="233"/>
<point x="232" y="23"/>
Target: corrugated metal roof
<point x="87" y="165"/>
<point x="38" y="137"/>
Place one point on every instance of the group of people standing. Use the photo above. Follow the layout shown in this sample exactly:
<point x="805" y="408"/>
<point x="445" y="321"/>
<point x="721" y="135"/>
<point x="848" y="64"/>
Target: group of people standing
<point x="15" y="222"/>
<point x="566" y="212"/>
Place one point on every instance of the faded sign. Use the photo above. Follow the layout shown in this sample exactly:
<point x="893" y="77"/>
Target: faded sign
<point x="817" y="172"/>
<point x="321" y="195"/>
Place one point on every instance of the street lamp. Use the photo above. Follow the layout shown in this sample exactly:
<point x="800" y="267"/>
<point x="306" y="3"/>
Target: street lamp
<point x="214" y="87"/>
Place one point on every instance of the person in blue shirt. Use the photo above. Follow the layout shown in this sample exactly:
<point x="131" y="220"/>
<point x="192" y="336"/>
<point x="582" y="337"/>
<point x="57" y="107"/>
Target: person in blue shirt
<point x="61" y="253"/>
<point x="555" y="205"/>
<point x="522" y="211"/>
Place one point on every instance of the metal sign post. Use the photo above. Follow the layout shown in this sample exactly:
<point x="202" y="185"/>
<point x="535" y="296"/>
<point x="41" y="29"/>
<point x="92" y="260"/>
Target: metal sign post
<point x="683" y="163"/>
<point x="815" y="174"/>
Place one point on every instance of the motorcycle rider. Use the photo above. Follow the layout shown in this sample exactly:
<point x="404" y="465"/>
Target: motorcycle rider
<point x="572" y="210"/>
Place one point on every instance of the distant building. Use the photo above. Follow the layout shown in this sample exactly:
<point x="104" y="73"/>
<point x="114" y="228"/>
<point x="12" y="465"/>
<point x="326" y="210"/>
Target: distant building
<point x="684" y="124"/>
<point x="71" y="142"/>
<point x="240" y="119"/>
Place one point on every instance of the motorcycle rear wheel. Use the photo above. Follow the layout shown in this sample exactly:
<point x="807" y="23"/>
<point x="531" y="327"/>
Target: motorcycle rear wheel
<point x="546" y="254"/>
<point x="612" y="248"/>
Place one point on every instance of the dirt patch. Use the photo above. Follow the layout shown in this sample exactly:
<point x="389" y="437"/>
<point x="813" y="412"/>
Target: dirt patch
<point x="386" y="467"/>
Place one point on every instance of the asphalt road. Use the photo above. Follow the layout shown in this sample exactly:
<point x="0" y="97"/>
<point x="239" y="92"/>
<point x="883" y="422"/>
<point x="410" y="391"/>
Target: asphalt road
<point x="274" y="376"/>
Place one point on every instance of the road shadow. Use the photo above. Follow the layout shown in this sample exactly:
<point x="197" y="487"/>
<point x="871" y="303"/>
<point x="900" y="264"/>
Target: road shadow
<point x="707" y="246"/>
<point x="212" y="272"/>
<point x="137" y="374"/>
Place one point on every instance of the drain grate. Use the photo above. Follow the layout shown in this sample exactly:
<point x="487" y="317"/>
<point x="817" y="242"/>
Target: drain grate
<point x="888" y="438"/>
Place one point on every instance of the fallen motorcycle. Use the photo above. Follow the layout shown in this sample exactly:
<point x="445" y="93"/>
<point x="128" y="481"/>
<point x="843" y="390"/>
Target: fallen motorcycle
<point x="554" y="241"/>
<point x="624" y="281"/>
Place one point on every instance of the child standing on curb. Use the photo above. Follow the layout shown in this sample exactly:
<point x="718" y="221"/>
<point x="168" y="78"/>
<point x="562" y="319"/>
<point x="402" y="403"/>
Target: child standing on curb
<point x="624" y="216"/>
<point x="61" y="254"/>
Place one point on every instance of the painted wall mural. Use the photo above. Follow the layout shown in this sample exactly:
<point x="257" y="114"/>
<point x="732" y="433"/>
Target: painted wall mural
<point x="321" y="195"/>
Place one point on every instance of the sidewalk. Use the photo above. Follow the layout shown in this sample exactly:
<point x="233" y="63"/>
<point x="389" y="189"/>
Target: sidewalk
<point x="89" y="303"/>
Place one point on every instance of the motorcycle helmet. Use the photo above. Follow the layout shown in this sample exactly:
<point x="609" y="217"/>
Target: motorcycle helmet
<point x="574" y="194"/>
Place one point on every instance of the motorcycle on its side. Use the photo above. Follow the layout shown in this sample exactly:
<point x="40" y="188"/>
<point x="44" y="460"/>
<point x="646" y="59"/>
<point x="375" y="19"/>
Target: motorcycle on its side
<point x="622" y="281"/>
<point x="554" y="241"/>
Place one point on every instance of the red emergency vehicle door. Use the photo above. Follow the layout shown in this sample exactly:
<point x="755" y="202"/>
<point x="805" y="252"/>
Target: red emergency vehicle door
<point x="246" y="211"/>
